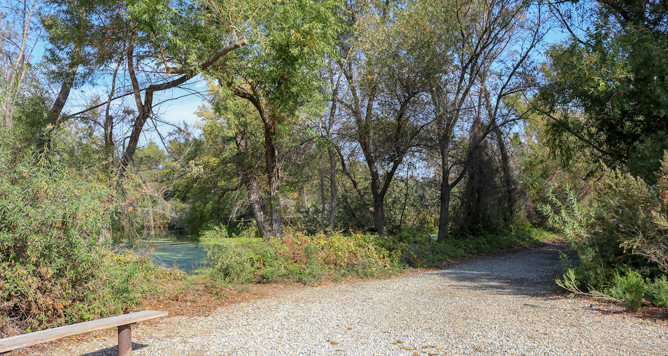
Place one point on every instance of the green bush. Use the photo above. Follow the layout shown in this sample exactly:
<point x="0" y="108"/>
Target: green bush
<point x="53" y="239"/>
<point x="234" y="263"/>
<point x="657" y="292"/>
<point x="630" y="288"/>
<point x="620" y="236"/>
<point x="569" y="215"/>
<point x="304" y="259"/>
<point x="420" y="250"/>
<point x="56" y="267"/>
<point x="633" y="217"/>
<point x="298" y="258"/>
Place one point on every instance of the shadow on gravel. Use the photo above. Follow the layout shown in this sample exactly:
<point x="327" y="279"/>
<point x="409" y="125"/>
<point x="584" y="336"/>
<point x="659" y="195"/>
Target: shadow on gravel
<point x="113" y="350"/>
<point x="528" y="272"/>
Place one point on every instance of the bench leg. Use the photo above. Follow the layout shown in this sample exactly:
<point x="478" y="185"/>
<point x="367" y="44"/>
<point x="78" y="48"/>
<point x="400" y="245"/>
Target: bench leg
<point x="125" y="340"/>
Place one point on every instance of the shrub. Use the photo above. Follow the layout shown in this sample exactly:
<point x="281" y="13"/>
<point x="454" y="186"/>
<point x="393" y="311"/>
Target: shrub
<point x="570" y="216"/>
<point x="421" y="250"/>
<point x="234" y="263"/>
<point x="302" y="258"/>
<point x="621" y="237"/>
<point x="634" y="215"/>
<point x="657" y="292"/>
<point x="53" y="239"/>
<point x="298" y="258"/>
<point x="630" y="288"/>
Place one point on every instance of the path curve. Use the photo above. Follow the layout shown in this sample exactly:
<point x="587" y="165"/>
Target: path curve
<point x="503" y="305"/>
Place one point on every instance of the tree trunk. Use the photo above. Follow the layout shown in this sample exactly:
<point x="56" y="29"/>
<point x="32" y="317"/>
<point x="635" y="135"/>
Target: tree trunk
<point x="273" y="175"/>
<point x="109" y="120"/>
<point x="403" y="208"/>
<point x="508" y="179"/>
<point x="251" y="183"/>
<point x="333" y="189"/>
<point x="444" y="213"/>
<point x="65" y="87"/>
<point x="323" y="202"/>
<point x="64" y="93"/>
<point x="379" y="215"/>
<point x="446" y="188"/>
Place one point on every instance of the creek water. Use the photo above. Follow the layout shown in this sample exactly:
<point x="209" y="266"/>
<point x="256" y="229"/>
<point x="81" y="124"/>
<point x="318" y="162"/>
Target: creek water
<point x="170" y="248"/>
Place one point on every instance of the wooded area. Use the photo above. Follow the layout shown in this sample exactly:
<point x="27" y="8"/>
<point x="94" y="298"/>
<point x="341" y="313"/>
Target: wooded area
<point x="404" y="128"/>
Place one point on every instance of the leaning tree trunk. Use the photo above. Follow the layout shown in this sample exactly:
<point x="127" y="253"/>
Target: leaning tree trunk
<point x="251" y="183"/>
<point x="109" y="119"/>
<point x="64" y="93"/>
<point x="56" y="109"/>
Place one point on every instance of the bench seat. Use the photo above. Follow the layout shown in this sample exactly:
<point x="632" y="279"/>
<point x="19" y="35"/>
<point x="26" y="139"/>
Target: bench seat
<point x="122" y="321"/>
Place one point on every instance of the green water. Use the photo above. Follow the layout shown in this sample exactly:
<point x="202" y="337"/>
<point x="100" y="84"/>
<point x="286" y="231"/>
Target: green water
<point x="171" y="249"/>
<point x="187" y="256"/>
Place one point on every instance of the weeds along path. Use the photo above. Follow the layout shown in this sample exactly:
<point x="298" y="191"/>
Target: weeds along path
<point x="503" y="305"/>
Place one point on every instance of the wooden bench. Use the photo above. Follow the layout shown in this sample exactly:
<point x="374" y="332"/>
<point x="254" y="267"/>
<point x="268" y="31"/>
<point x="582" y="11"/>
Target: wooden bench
<point x="123" y="322"/>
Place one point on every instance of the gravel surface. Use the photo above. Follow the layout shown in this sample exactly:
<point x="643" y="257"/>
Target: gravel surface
<point x="502" y="305"/>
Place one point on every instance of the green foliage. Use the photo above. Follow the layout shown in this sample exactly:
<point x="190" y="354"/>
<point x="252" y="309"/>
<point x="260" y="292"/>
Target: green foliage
<point x="607" y="85"/>
<point x="53" y="224"/>
<point x="298" y="258"/>
<point x="304" y="259"/>
<point x="234" y="262"/>
<point x="635" y="215"/>
<point x="420" y="250"/>
<point x="55" y="264"/>
<point x="657" y="292"/>
<point x="282" y="59"/>
<point x="547" y="164"/>
<point x="630" y="287"/>
<point x="570" y="217"/>
<point x="621" y="237"/>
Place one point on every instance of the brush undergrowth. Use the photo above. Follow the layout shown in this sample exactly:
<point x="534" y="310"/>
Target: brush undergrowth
<point x="305" y="259"/>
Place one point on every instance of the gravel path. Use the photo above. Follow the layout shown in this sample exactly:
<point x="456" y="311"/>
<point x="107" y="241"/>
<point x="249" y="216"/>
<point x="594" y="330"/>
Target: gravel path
<point x="501" y="305"/>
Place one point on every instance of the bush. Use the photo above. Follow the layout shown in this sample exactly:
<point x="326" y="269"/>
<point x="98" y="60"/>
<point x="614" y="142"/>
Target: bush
<point x="633" y="216"/>
<point x="420" y="250"/>
<point x="621" y="237"/>
<point x="304" y="259"/>
<point x="630" y="288"/>
<point x="570" y="216"/>
<point x="234" y="263"/>
<point x="53" y="239"/>
<point x="298" y="258"/>
<point x="56" y="267"/>
<point x="657" y="292"/>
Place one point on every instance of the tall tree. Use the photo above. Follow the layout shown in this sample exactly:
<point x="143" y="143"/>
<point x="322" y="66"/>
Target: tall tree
<point x="607" y="84"/>
<point x="278" y="74"/>
<point x="482" y="37"/>
<point x="380" y="102"/>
